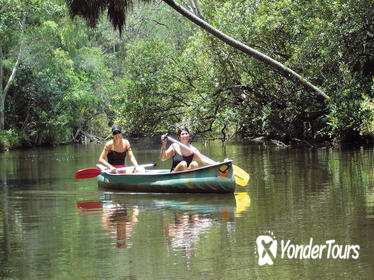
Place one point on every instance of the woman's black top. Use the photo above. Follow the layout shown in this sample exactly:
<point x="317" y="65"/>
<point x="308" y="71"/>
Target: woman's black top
<point x="116" y="158"/>
<point x="177" y="158"/>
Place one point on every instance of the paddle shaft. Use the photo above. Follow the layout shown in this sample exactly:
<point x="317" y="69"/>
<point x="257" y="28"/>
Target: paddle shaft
<point x="190" y="149"/>
<point x="132" y="166"/>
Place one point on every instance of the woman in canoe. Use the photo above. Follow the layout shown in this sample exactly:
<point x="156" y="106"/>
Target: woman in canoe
<point x="182" y="157"/>
<point x="115" y="150"/>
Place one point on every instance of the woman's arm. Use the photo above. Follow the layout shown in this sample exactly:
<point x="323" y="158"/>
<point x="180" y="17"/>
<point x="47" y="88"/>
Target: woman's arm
<point x="130" y="154"/>
<point x="201" y="159"/>
<point x="137" y="169"/>
<point x="166" y="153"/>
<point x="103" y="156"/>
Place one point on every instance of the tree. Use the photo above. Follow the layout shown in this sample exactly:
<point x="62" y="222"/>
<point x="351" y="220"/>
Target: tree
<point x="60" y="83"/>
<point x="10" y="18"/>
<point x="117" y="10"/>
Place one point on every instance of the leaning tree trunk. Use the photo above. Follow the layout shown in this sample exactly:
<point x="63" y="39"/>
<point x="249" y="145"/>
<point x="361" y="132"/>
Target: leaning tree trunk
<point x="3" y="92"/>
<point x="286" y="72"/>
<point x="2" y="97"/>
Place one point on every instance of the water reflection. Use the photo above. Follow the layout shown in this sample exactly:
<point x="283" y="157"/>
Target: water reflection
<point x="185" y="231"/>
<point x="6" y="219"/>
<point x="188" y="215"/>
<point x="119" y="220"/>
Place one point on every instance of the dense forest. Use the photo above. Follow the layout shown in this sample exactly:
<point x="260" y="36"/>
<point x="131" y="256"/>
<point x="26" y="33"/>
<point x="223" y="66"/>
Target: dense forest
<point x="67" y="77"/>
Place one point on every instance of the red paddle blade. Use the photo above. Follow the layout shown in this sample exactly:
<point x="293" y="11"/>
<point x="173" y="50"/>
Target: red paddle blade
<point x="89" y="205"/>
<point x="87" y="173"/>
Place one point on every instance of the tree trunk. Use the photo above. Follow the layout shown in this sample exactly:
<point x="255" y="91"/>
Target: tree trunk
<point x="2" y="99"/>
<point x="3" y="92"/>
<point x="285" y="71"/>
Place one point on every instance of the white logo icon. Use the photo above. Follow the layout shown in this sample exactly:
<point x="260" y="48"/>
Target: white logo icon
<point x="266" y="249"/>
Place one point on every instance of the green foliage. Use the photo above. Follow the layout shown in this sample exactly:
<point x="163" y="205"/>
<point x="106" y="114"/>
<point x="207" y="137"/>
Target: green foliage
<point x="329" y="42"/>
<point x="147" y="101"/>
<point x="9" y="138"/>
<point x="367" y="110"/>
<point x="58" y="89"/>
<point x="164" y="71"/>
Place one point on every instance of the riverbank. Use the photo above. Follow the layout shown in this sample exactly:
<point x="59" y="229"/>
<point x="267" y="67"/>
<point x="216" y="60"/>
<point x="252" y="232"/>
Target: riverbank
<point x="11" y="140"/>
<point x="311" y="143"/>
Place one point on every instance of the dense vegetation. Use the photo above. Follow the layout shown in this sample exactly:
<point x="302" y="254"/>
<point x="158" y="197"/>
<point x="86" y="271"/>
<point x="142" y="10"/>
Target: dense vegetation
<point x="63" y="81"/>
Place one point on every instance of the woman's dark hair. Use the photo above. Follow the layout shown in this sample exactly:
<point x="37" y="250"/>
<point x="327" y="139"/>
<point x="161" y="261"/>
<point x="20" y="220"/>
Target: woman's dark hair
<point x="181" y="128"/>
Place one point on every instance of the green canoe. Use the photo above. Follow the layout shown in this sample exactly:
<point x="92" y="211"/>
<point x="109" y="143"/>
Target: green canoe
<point x="216" y="178"/>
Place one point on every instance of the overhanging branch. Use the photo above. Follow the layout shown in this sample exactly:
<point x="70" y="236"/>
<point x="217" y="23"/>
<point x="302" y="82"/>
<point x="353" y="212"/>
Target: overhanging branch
<point x="285" y="71"/>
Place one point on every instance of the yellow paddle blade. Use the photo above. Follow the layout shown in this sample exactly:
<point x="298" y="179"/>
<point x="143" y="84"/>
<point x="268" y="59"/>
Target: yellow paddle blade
<point x="243" y="202"/>
<point x="241" y="177"/>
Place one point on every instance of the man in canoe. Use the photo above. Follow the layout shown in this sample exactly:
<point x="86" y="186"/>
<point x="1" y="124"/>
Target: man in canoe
<point x="115" y="150"/>
<point x="182" y="157"/>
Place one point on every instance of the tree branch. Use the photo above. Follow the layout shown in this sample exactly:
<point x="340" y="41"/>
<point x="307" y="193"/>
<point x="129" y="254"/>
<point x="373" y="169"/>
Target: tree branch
<point x="285" y="71"/>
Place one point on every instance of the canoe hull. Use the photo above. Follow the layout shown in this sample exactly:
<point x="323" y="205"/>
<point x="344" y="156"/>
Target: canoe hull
<point x="217" y="178"/>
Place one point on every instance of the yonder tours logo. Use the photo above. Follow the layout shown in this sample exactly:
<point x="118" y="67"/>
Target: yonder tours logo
<point x="267" y="250"/>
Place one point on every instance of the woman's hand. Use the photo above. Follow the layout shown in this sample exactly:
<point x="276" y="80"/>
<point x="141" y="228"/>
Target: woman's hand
<point x="164" y="140"/>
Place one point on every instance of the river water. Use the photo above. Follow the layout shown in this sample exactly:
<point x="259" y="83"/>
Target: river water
<point x="311" y="212"/>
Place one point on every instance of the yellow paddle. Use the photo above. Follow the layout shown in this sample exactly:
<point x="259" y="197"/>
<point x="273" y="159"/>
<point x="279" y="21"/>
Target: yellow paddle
<point x="241" y="177"/>
<point x="243" y="201"/>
